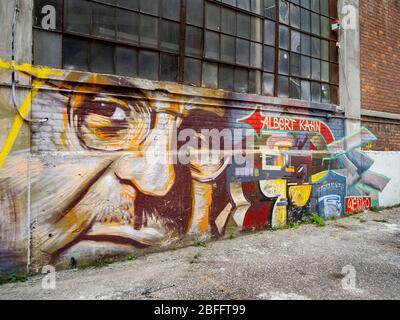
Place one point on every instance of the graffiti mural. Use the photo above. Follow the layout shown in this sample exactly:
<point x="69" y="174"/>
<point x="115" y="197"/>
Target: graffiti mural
<point x="123" y="164"/>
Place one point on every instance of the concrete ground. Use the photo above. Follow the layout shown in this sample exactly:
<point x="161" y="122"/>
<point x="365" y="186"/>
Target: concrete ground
<point x="352" y="258"/>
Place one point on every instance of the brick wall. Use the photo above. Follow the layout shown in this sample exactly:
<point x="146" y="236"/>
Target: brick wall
<point x="380" y="68"/>
<point x="387" y="131"/>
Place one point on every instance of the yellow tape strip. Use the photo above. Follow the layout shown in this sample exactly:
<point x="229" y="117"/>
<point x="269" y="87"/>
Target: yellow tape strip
<point x="18" y="122"/>
<point x="26" y="105"/>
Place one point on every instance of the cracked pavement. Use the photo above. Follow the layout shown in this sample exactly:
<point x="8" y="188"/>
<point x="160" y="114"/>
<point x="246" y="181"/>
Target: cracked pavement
<point x="352" y="258"/>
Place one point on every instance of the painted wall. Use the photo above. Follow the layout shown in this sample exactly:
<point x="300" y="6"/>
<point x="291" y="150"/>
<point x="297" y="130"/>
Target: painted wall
<point x="387" y="164"/>
<point x="124" y="165"/>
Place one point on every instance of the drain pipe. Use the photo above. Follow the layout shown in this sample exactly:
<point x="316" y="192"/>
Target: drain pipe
<point x="13" y="75"/>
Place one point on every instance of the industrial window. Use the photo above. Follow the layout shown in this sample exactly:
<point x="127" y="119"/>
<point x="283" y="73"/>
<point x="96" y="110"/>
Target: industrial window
<point x="269" y="47"/>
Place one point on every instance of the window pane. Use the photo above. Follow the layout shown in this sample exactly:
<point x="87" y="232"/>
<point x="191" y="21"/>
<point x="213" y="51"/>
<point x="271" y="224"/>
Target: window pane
<point x="295" y="65"/>
<point x="269" y="32"/>
<point x="210" y="75"/>
<point x="268" y="84"/>
<point x="244" y="4"/>
<point x="325" y="94"/>
<point x="295" y="16"/>
<point x="316" y="92"/>
<point x="226" y="77"/>
<point x="170" y="35"/>
<point x="213" y="16"/>
<point x="77" y="16"/>
<point x="316" y="47"/>
<point x="305" y="67"/>
<point x="149" y="31"/>
<point x="171" y="9"/>
<point x="192" y="72"/>
<point x="283" y="87"/>
<point x="47" y="49"/>
<point x="305" y="3"/>
<point x="315" y="24"/>
<point x="325" y="71"/>
<point x="126" y="61"/>
<point x="254" y="82"/>
<point x="283" y="62"/>
<point x="242" y="52"/>
<point x="243" y="25"/>
<point x="325" y="50"/>
<point x="103" y="21"/>
<point x="284" y="11"/>
<point x="212" y="45"/>
<point x="228" y="24"/>
<point x="324" y="7"/>
<point x="149" y="6"/>
<point x="130" y="4"/>
<point x="315" y="69"/>
<point x="231" y="2"/>
<point x="284" y="37"/>
<point x="148" y="65"/>
<point x="169" y="67"/>
<point x="256" y="55"/>
<point x="227" y="48"/>
<point x="101" y="58"/>
<point x="295" y="39"/>
<point x="75" y="54"/>
<point x="325" y="27"/>
<point x="295" y="88"/>
<point x="241" y="80"/>
<point x="127" y="26"/>
<point x="256" y="6"/>
<point x="269" y="9"/>
<point x="194" y="41"/>
<point x="269" y="59"/>
<point x="305" y="44"/>
<point x="256" y="29"/>
<point x="305" y="90"/>
<point x="315" y="5"/>
<point x="305" y="20"/>
<point x="194" y="12"/>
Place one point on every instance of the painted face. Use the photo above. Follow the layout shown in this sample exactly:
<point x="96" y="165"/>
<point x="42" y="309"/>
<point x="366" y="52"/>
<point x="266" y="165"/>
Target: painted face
<point x="116" y="179"/>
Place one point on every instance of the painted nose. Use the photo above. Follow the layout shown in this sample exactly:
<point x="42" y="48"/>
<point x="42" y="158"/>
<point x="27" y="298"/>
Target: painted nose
<point x="151" y="169"/>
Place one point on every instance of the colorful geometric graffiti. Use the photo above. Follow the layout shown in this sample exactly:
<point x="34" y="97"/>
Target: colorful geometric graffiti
<point x="104" y="180"/>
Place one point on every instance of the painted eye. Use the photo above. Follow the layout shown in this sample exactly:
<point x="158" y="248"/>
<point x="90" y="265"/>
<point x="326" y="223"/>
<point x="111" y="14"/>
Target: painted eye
<point x="109" y="124"/>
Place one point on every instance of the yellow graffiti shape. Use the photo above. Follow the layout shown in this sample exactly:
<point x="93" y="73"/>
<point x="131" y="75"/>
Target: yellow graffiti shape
<point x="300" y="195"/>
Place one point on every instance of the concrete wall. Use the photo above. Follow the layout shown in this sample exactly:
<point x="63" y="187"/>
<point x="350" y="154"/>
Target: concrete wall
<point x="388" y="164"/>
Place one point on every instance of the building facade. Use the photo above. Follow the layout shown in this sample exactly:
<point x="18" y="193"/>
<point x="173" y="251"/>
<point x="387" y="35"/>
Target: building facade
<point x="380" y="52"/>
<point x="130" y="126"/>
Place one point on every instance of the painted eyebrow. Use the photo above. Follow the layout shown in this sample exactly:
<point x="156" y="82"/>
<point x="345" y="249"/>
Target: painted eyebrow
<point x="110" y="99"/>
